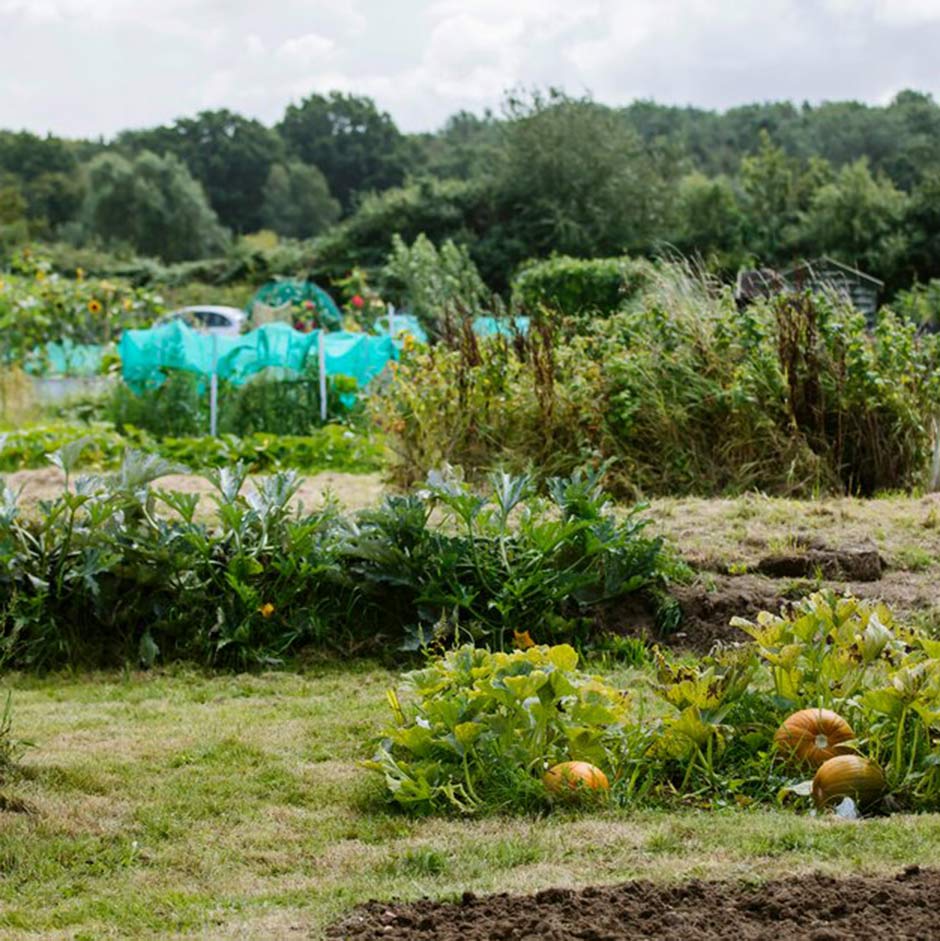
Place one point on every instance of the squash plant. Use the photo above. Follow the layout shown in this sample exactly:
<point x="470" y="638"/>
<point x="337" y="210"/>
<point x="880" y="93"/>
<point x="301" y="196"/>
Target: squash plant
<point x="483" y="728"/>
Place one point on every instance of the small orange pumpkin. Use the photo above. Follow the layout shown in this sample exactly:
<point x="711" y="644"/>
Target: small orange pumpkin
<point x="848" y="776"/>
<point x="812" y="736"/>
<point x="575" y="776"/>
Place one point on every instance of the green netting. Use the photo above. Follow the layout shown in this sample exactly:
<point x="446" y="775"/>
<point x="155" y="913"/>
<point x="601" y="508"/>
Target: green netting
<point x="145" y="354"/>
<point x="293" y="291"/>
<point x="65" y="359"/>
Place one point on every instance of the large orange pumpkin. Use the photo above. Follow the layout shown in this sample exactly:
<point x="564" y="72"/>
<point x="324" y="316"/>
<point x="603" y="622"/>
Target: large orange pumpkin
<point x="811" y="736"/>
<point x="575" y="776"/>
<point x="848" y="776"/>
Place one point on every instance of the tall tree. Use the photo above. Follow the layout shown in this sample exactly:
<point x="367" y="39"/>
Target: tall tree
<point x="575" y="179"/>
<point x="230" y="155"/>
<point x="151" y="204"/>
<point x="357" y="147"/>
<point x="858" y="219"/>
<point x="297" y="201"/>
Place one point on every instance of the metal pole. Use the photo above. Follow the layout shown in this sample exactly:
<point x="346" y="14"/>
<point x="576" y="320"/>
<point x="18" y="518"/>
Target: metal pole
<point x="321" y="356"/>
<point x="214" y="389"/>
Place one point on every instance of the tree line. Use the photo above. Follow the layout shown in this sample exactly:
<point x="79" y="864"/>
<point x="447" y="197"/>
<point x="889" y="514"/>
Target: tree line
<point x="758" y="184"/>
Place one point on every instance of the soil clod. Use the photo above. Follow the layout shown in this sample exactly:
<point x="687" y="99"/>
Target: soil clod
<point x="814" y="906"/>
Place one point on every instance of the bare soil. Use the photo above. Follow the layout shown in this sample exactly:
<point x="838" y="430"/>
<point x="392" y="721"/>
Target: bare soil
<point x="355" y="491"/>
<point x="815" y="907"/>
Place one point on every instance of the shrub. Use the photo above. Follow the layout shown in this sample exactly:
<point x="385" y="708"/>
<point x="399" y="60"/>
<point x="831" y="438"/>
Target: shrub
<point x="101" y="576"/>
<point x="683" y="393"/>
<point x="580" y="285"/>
<point x="432" y="283"/>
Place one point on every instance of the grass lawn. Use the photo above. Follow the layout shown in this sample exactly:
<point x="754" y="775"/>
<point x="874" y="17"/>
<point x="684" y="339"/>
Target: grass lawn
<point x="186" y="805"/>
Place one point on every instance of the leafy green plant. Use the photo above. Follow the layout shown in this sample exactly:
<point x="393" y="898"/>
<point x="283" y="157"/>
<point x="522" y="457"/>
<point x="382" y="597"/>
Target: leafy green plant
<point x="580" y="285"/>
<point x="114" y="570"/>
<point x="504" y="559"/>
<point x="484" y="728"/>
<point x="331" y="447"/>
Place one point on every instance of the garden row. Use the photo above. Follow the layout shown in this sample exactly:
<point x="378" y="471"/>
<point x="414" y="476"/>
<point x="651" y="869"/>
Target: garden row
<point x="833" y="700"/>
<point x="113" y="571"/>
<point x="100" y="446"/>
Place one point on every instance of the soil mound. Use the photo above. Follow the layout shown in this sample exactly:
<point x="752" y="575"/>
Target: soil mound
<point x="816" y="907"/>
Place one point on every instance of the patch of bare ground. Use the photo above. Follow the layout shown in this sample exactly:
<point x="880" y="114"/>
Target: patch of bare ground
<point x="354" y="491"/>
<point x="815" y="906"/>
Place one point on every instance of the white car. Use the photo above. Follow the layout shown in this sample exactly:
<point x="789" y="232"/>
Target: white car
<point x="222" y="321"/>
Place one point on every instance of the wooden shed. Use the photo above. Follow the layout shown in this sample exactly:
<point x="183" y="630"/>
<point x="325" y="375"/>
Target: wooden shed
<point x="825" y="273"/>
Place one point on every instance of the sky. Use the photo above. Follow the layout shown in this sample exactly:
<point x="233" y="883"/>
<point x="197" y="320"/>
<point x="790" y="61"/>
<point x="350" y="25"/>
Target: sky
<point x="89" y="68"/>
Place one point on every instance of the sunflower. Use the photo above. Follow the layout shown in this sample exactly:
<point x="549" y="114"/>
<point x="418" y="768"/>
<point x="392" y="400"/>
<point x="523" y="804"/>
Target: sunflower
<point x="94" y="306"/>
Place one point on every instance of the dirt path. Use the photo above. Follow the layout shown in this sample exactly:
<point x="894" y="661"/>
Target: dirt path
<point x="354" y="491"/>
<point x="813" y="907"/>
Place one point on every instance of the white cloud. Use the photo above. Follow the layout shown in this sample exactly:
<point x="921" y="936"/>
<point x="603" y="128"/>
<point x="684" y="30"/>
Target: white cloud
<point x="302" y="50"/>
<point x="108" y="63"/>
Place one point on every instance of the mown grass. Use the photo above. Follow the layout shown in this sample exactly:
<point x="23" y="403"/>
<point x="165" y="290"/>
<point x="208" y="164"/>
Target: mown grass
<point x="186" y="805"/>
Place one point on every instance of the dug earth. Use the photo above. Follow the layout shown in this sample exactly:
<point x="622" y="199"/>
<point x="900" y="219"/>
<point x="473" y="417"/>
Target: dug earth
<point x="808" y="908"/>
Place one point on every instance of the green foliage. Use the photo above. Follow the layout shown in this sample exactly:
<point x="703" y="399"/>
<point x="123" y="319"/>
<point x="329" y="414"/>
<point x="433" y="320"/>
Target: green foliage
<point x="432" y="283"/>
<point x="357" y="147"/>
<point x="706" y="735"/>
<point x="485" y="726"/>
<point x="681" y="393"/>
<point x="504" y="558"/>
<point x="579" y="286"/>
<point x="230" y="155"/>
<point x="920" y="305"/>
<point x="853" y="657"/>
<point x="152" y="204"/>
<point x="115" y="571"/>
<point x="332" y="447"/>
<point x="39" y="306"/>
<point x="269" y="402"/>
<point x="297" y="201"/>
<point x="859" y="218"/>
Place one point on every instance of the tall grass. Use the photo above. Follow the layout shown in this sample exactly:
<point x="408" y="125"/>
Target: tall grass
<point x="17" y="399"/>
<point x="681" y="393"/>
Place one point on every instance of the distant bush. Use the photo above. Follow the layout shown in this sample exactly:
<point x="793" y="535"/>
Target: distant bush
<point x="580" y="285"/>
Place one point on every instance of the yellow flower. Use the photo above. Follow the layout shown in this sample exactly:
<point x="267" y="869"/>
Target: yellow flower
<point x="128" y="304"/>
<point x="79" y="274"/>
<point x="94" y="306"/>
<point x="267" y="609"/>
<point x="40" y="275"/>
<point x="523" y="640"/>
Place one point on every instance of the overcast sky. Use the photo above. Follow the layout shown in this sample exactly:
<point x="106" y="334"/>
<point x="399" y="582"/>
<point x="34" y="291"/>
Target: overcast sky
<point x="93" y="67"/>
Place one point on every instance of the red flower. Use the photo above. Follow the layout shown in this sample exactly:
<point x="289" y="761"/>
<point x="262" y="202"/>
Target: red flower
<point x="308" y="305"/>
<point x="356" y="301"/>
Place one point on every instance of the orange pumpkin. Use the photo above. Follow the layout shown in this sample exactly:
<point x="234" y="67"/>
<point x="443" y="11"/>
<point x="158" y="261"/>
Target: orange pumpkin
<point x="575" y="776"/>
<point x="812" y="736"/>
<point x="848" y="776"/>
